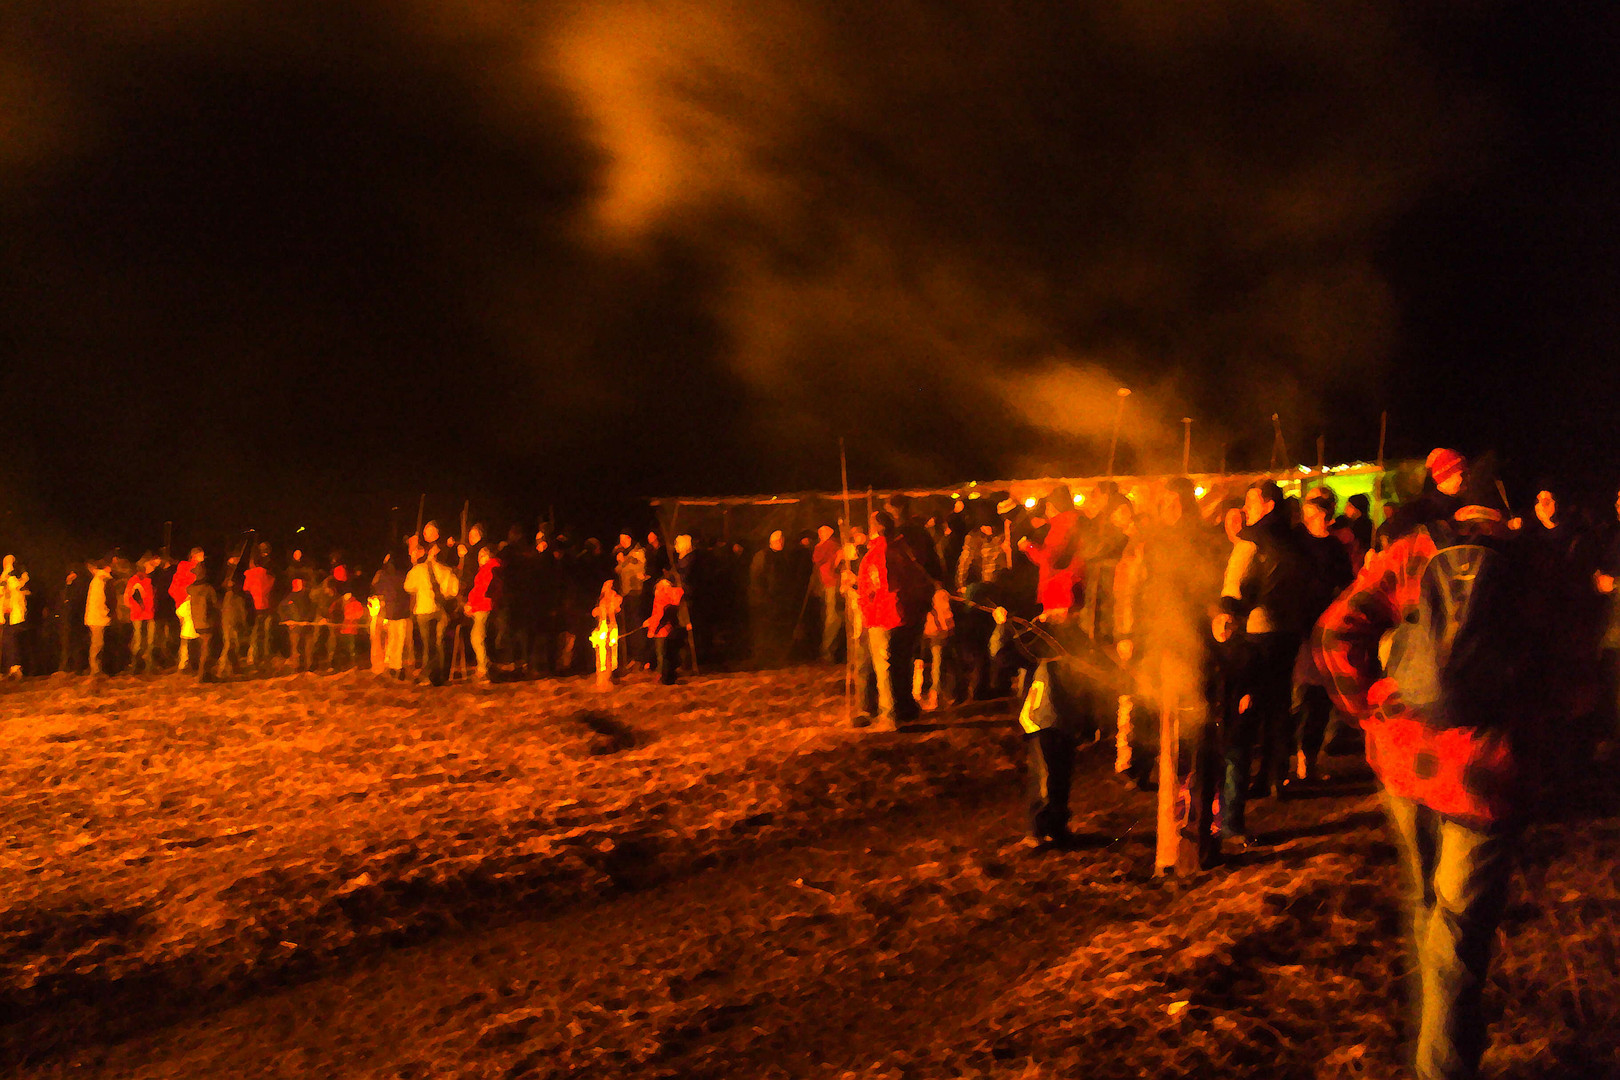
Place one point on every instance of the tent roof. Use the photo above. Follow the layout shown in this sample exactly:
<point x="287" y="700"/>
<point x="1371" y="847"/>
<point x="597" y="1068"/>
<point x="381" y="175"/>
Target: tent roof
<point x="1020" y="488"/>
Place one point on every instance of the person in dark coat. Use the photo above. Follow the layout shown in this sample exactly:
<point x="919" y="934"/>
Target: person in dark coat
<point x="388" y="585"/>
<point x="205" y="617"/>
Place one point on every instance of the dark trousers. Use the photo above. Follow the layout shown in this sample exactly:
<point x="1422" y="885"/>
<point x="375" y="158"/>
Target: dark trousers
<point x="300" y="641"/>
<point x="1312" y="710"/>
<point x="435" y="661"/>
<point x="1051" y="773"/>
<point x="892" y="653"/>
<point x="668" y="649"/>
<point x="205" y="651"/>
<point x="1269" y="683"/>
<point x="1208" y="771"/>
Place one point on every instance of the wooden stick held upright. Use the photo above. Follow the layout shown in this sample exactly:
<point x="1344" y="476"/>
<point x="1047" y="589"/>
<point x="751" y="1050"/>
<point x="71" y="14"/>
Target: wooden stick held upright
<point x="1119" y="415"/>
<point x="1383" y="430"/>
<point x="1186" y="445"/>
<point x="843" y="551"/>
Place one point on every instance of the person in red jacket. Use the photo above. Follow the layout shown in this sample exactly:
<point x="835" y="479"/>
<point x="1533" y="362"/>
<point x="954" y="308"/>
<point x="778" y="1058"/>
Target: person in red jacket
<point x="662" y="624"/>
<point x="185" y="575"/>
<point x="1057" y="555"/>
<point x="140" y="597"/>
<point x="1445" y="719"/>
<point x="827" y="560"/>
<point x="894" y="593"/>
<point x="481" y="601"/>
<point x="260" y="583"/>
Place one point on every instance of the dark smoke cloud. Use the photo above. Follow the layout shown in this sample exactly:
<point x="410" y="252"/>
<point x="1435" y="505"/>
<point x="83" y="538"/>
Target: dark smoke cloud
<point x="338" y="249"/>
<point x="953" y="216"/>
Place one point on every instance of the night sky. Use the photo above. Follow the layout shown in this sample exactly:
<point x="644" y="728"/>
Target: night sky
<point x="279" y="264"/>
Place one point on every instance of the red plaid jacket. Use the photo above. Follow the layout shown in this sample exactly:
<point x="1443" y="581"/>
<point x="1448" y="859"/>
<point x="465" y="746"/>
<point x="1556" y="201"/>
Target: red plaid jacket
<point x="1471" y="776"/>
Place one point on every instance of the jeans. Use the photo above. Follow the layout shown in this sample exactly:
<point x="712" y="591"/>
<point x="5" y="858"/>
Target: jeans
<point x="1270" y="683"/>
<point x="396" y="632"/>
<point x="140" y="646"/>
<point x="435" y="663"/>
<point x="892" y="651"/>
<point x="832" y="623"/>
<point x="480" y="641"/>
<point x="1457" y="889"/>
<point x="98" y="645"/>
<point x="259" y="643"/>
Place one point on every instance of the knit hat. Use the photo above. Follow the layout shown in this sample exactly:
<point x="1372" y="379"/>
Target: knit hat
<point x="1444" y="464"/>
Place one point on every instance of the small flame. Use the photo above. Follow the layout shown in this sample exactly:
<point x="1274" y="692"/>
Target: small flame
<point x="1029" y="504"/>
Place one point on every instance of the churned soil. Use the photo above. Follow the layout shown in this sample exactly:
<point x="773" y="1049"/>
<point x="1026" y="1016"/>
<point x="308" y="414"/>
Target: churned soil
<point x="340" y="877"/>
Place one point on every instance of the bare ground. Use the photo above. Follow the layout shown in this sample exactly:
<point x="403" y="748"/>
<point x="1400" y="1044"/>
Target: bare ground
<point x="339" y="878"/>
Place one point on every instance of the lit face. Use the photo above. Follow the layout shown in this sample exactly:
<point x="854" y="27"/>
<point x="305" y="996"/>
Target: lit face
<point x="1256" y="506"/>
<point x="824" y="533"/>
<point x="683" y="545"/>
<point x="475" y="536"/>
<point x="652" y="539"/>
<point x="1314" y="515"/>
<point x="1232" y="523"/>
<point x="484" y="555"/>
<point x="430" y="533"/>
<point x="1451" y="484"/>
<point x="624" y="540"/>
<point x="777" y="541"/>
<point x="1546" y="508"/>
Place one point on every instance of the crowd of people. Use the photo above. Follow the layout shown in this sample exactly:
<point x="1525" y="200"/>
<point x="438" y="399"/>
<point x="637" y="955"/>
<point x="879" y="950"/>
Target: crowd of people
<point x="1463" y="644"/>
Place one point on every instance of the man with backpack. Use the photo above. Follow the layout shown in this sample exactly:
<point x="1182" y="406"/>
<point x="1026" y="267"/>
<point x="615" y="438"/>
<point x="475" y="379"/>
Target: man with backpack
<point x="1445" y="719"/>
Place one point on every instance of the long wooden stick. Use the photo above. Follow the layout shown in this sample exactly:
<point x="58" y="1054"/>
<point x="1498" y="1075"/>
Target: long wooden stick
<point x="843" y="551"/>
<point x="1169" y="832"/>
<point x="1186" y="445"/>
<point x="1383" y="430"/>
<point x="1119" y="415"/>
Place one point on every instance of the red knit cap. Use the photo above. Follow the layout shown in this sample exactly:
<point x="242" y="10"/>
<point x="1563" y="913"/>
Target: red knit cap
<point x="1444" y="464"/>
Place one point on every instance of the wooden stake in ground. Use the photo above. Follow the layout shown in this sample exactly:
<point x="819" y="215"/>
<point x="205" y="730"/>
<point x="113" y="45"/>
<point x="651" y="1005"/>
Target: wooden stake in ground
<point x="1169" y="831"/>
<point x="1119" y="415"/>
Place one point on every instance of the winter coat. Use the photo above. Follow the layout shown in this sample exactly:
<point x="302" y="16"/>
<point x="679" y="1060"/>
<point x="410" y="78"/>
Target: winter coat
<point x="486" y="588"/>
<point x="140" y="596"/>
<point x="893" y="588"/>
<point x="204" y="605"/>
<point x="388" y="585"/>
<point x="1059" y="561"/>
<point x="260" y="584"/>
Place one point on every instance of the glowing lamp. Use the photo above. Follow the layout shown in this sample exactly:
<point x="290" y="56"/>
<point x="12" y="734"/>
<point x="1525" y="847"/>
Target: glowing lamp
<point x="1200" y="492"/>
<point x="1029" y="504"/>
<point x="1079" y="500"/>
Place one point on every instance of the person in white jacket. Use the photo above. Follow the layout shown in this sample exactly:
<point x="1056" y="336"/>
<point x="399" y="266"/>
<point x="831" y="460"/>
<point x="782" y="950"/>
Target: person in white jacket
<point x="98" y="611"/>
<point x="433" y="587"/>
<point x="13" y="615"/>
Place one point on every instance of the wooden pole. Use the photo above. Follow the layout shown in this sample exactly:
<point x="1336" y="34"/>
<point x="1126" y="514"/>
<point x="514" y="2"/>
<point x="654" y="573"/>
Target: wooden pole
<point x="1186" y="445"/>
<point x="1321" y="444"/>
<point x="458" y="655"/>
<point x="849" y="626"/>
<point x="1277" y="443"/>
<point x="1383" y="430"/>
<point x="1119" y="415"/>
<point x="1169" y="830"/>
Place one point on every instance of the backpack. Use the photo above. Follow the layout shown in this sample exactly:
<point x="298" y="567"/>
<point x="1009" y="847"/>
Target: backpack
<point x="1456" y="658"/>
